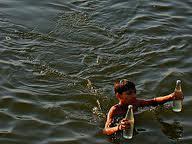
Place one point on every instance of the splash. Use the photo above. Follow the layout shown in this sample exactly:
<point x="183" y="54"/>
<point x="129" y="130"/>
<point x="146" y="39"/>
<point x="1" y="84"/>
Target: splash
<point x="98" y="112"/>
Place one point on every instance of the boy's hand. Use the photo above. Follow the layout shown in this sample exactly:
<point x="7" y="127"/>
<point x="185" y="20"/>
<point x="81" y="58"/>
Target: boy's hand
<point x="177" y="95"/>
<point x="124" y="124"/>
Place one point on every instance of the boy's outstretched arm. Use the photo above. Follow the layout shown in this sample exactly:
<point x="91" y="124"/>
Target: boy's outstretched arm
<point x="161" y="100"/>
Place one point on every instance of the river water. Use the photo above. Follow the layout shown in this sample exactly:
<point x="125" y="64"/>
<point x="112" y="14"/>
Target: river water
<point x="57" y="58"/>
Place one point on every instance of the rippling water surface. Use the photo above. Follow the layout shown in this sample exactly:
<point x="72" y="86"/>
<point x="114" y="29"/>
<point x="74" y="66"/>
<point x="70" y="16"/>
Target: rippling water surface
<point x="57" y="58"/>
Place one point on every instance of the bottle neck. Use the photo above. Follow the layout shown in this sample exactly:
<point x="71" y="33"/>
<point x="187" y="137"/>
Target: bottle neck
<point x="129" y="114"/>
<point x="178" y="87"/>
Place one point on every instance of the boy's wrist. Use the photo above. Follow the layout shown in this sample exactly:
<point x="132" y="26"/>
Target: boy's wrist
<point x="118" y="127"/>
<point x="172" y="96"/>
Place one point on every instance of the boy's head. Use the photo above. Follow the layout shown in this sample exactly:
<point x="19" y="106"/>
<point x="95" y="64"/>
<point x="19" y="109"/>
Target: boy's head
<point x="124" y="86"/>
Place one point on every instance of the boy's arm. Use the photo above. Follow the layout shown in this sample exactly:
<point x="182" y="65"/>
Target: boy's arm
<point x="110" y="130"/>
<point x="157" y="101"/>
<point x="164" y="99"/>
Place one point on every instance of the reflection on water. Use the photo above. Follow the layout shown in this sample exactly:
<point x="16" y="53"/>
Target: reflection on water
<point x="173" y="131"/>
<point x="57" y="58"/>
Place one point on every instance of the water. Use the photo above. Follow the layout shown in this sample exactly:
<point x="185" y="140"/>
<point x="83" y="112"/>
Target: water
<point x="57" y="58"/>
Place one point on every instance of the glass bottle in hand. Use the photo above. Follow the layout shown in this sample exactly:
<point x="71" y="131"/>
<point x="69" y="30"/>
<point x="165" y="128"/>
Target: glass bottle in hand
<point x="128" y="133"/>
<point x="177" y="103"/>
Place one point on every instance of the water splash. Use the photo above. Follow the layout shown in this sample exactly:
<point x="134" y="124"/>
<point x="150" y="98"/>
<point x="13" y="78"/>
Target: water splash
<point x="98" y="112"/>
<point x="89" y="84"/>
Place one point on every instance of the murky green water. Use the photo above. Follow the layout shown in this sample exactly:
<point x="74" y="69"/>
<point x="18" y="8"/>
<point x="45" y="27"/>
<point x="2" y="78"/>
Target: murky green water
<point x="57" y="58"/>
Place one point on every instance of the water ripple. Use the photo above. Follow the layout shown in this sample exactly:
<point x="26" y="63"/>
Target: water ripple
<point x="58" y="58"/>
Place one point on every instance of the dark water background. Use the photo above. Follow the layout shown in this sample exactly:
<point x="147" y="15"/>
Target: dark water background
<point x="57" y="57"/>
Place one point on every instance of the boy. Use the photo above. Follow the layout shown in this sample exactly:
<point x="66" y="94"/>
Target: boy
<point x="125" y="92"/>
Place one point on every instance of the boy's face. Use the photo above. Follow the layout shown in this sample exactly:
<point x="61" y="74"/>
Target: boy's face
<point x="128" y="96"/>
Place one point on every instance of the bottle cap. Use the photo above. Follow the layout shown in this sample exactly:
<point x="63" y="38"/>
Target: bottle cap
<point x="130" y="106"/>
<point x="178" y="81"/>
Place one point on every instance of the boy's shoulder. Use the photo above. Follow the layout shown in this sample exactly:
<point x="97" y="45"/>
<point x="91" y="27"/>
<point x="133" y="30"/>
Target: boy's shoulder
<point x="114" y="109"/>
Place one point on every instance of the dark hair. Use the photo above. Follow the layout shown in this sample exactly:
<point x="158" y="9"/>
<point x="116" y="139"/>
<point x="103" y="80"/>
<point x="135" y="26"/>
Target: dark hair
<point x="124" y="85"/>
